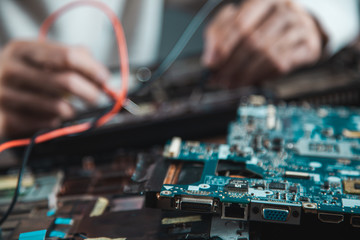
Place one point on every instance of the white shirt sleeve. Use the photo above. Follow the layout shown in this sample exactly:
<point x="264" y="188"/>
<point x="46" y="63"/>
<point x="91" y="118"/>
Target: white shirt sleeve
<point x="338" y="18"/>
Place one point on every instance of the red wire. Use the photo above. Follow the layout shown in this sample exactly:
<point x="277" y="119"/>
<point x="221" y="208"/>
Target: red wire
<point x="124" y="67"/>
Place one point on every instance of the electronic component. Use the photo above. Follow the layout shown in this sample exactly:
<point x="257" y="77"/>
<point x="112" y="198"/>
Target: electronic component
<point x="293" y="189"/>
<point x="292" y="174"/>
<point x="237" y="186"/>
<point x="174" y="148"/>
<point x="275" y="212"/>
<point x="277" y="186"/>
<point x="331" y="217"/>
<point x="274" y="172"/>
<point x="351" y="134"/>
<point x="196" y="204"/>
<point x="235" y="211"/>
<point x="260" y="186"/>
<point x="352" y="186"/>
<point x="355" y="221"/>
<point x="304" y="199"/>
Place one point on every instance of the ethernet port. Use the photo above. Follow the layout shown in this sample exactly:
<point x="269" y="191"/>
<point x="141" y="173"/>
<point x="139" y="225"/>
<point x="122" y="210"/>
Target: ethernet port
<point x="234" y="211"/>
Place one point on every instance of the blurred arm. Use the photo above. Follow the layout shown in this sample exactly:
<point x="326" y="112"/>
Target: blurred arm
<point x="339" y="19"/>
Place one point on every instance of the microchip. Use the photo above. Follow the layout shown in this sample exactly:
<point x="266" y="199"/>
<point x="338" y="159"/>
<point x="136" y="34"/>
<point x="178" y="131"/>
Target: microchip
<point x="293" y="189"/>
<point x="277" y="186"/>
<point x="304" y="199"/>
<point x="237" y="185"/>
<point x="277" y="141"/>
<point x="259" y="186"/>
<point x="277" y="144"/>
<point x="326" y="185"/>
<point x="352" y="186"/>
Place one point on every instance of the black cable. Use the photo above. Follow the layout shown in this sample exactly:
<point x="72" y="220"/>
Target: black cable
<point x="199" y="18"/>
<point x="21" y="174"/>
<point x="27" y="155"/>
<point x="104" y="111"/>
<point x="194" y="25"/>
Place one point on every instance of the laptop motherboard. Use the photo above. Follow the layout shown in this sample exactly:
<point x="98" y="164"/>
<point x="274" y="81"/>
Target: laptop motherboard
<point x="280" y="163"/>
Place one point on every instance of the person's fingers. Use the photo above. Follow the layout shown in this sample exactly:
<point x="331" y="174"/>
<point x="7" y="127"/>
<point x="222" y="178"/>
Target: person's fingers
<point x="287" y="51"/>
<point x="272" y="45"/>
<point x="271" y="60"/>
<point x="212" y="35"/>
<point x="268" y="32"/>
<point x="34" y="79"/>
<point x="236" y="63"/>
<point x="16" y="125"/>
<point x="58" y="57"/>
<point x="77" y="85"/>
<point x="221" y="40"/>
<point x="293" y="48"/>
<point x="252" y="62"/>
<point x="34" y="104"/>
<point x="52" y="83"/>
<point x="248" y="18"/>
<point x="300" y="54"/>
<point x="17" y="75"/>
<point x="259" y="69"/>
<point x="270" y="41"/>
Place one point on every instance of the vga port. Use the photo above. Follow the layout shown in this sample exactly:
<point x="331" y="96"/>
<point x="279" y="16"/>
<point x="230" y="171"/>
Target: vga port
<point x="263" y="211"/>
<point x="273" y="214"/>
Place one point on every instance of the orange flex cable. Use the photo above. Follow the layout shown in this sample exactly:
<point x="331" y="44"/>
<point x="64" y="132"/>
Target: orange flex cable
<point x="124" y="68"/>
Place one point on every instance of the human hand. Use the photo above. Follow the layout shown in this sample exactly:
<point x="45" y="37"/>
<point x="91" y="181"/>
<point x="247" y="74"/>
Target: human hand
<point x="35" y="77"/>
<point x="258" y="40"/>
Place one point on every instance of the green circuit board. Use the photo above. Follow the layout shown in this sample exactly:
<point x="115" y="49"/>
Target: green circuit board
<point x="279" y="163"/>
